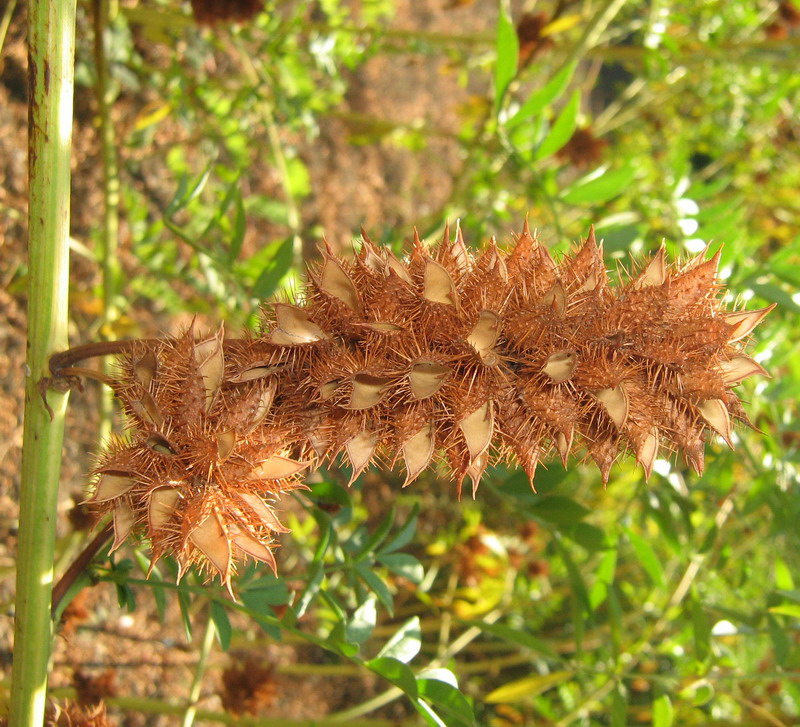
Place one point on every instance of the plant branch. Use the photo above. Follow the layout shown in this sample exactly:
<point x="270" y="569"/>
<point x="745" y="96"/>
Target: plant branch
<point x="79" y="565"/>
<point x="67" y="359"/>
<point x="8" y="13"/>
<point x="51" y="50"/>
<point x="205" y="649"/>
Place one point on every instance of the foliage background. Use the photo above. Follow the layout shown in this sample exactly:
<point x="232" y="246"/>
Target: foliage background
<point x="235" y="148"/>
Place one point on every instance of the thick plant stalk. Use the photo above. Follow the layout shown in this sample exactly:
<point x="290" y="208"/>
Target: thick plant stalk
<point x="51" y="52"/>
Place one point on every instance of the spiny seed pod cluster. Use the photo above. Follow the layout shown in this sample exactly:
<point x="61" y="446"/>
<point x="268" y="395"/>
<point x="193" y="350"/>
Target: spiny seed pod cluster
<point x="447" y="358"/>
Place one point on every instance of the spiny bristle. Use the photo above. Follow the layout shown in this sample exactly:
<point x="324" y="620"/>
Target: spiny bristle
<point x="448" y="357"/>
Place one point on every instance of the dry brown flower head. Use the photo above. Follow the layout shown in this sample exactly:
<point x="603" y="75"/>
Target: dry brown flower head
<point x="448" y="358"/>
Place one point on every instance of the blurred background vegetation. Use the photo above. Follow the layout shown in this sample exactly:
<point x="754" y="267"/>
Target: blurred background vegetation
<point x="210" y="160"/>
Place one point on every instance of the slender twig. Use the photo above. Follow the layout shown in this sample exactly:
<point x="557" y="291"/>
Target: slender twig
<point x="66" y="359"/>
<point x="51" y="51"/>
<point x="194" y="695"/>
<point x="79" y="565"/>
<point x="764" y="714"/>
<point x="6" y="21"/>
<point x="109" y="231"/>
<point x="142" y="705"/>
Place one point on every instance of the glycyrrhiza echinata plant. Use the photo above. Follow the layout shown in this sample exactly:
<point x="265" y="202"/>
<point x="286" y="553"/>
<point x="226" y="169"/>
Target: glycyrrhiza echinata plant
<point x="446" y="358"/>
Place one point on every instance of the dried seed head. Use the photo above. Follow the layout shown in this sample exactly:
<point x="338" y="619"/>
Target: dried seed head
<point x="449" y="356"/>
<point x="198" y="479"/>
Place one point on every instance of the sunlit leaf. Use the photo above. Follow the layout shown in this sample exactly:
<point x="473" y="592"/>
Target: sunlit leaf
<point x="601" y="188"/>
<point x="527" y="687"/>
<point x="222" y="624"/>
<point x="396" y="672"/>
<point x="360" y="626"/>
<point x="663" y="711"/>
<point x="507" y="47"/>
<point x="405" y="643"/>
<point x="562" y="128"/>
<point x="543" y="97"/>
<point x="647" y="557"/>
<point x="447" y="699"/>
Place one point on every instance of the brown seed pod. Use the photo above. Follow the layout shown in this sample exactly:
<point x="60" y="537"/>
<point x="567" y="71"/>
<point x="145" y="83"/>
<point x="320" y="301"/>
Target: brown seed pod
<point x="448" y="357"/>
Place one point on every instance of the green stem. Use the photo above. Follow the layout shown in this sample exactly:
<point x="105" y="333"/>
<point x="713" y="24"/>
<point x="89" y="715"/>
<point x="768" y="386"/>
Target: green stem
<point x="109" y="232"/>
<point x="51" y="28"/>
<point x="143" y="705"/>
<point x="194" y="694"/>
<point x="5" y="22"/>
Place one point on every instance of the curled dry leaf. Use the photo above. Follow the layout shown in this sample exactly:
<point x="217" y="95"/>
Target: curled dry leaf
<point x="124" y="519"/>
<point x="715" y="414"/>
<point x="159" y="443"/>
<point x="367" y="390"/>
<point x="395" y="266"/>
<point x="589" y="284"/>
<point x="147" y="410"/>
<point x="556" y="298"/>
<point x="739" y="368"/>
<point x="253" y="372"/>
<point x="655" y="273"/>
<point x="563" y="442"/>
<point x="328" y="389"/>
<point x="382" y="327"/>
<point x="278" y="467"/>
<point x="144" y="370"/>
<point x="211" y="539"/>
<point x="426" y="378"/>
<point x="458" y="252"/>
<point x="744" y="321"/>
<point x="112" y="485"/>
<point x="226" y="441"/>
<point x="264" y="512"/>
<point x="648" y="452"/>
<point x="485" y="333"/>
<point x="163" y="501"/>
<point x="253" y="547"/>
